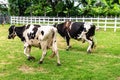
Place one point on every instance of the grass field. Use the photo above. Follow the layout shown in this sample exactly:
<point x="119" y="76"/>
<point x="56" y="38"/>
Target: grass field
<point x="102" y="64"/>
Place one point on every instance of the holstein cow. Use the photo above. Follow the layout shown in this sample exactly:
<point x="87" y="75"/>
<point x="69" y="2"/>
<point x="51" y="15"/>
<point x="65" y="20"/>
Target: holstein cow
<point x="77" y="30"/>
<point x="35" y="35"/>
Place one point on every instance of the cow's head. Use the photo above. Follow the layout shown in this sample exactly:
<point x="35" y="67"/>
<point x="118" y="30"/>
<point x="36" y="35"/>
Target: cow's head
<point x="12" y="32"/>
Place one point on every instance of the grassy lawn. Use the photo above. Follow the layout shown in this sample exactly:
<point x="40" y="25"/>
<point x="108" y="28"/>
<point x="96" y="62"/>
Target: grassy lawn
<point x="102" y="64"/>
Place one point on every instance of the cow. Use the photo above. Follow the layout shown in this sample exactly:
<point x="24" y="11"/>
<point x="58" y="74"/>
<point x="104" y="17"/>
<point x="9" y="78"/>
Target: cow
<point x="84" y="31"/>
<point x="42" y="37"/>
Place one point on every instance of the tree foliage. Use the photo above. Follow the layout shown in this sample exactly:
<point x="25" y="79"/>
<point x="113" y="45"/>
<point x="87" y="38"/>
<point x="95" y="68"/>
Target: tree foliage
<point x="3" y="9"/>
<point x="64" y="7"/>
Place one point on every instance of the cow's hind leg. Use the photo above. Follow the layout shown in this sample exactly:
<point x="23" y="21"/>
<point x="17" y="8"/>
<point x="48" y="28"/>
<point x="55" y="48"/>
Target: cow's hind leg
<point x="27" y="50"/>
<point x="94" y="42"/>
<point x="55" y="51"/>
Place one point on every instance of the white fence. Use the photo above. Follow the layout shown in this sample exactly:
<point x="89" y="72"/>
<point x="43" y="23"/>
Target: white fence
<point x="99" y="22"/>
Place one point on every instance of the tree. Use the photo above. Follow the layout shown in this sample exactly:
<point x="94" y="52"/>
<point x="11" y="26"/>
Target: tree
<point x="64" y="7"/>
<point x="18" y="7"/>
<point x="13" y="7"/>
<point x="3" y="9"/>
<point x="59" y="7"/>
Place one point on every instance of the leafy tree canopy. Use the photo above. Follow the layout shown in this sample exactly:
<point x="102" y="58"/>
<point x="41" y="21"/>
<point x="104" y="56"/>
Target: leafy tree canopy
<point x="64" y="8"/>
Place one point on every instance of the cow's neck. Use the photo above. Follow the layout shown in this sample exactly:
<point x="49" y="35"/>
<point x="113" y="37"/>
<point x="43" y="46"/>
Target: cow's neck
<point x="19" y="31"/>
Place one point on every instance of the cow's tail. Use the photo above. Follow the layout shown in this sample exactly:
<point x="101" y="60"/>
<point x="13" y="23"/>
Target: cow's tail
<point x="94" y="38"/>
<point x="94" y="42"/>
<point x="94" y="28"/>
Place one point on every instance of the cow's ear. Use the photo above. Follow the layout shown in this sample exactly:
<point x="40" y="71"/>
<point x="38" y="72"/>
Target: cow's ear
<point x="12" y="26"/>
<point x="55" y="25"/>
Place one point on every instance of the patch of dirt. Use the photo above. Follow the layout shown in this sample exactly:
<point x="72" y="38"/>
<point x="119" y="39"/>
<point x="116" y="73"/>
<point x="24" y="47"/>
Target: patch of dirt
<point x="11" y="56"/>
<point x="2" y="74"/>
<point x="4" y="62"/>
<point x="28" y="69"/>
<point x="110" y="56"/>
<point x="118" y="78"/>
<point x="40" y="69"/>
<point x="61" y="42"/>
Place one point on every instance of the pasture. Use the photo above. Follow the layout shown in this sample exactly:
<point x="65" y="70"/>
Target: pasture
<point x="102" y="64"/>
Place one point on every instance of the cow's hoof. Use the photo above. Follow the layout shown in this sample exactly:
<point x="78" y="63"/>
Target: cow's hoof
<point x="31" y="58"/>
<point x="40" y="62"/>
<point x="94" y="46"/>
<point x="52" y="55"/>
<point x="67" y="49"/>
<point x="83" y="41"/>
<point x="58" y="64"/>
<point x="70" y="46"/>
<point x="88" y="51"/>
<point x="79" y="39"/>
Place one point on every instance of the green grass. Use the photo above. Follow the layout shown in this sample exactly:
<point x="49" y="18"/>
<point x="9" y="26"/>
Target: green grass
<point x="102" y="64"/>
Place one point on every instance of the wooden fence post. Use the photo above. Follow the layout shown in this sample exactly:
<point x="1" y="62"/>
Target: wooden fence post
<point x="83" y="19"/>
<point x="48" y="21"/>
<point x="35" y="20"/>
<point x="98" y="22"/>
<point x="91" y="19"/>
<point x="39" y="20"/>
<point x="76" y="19"/>
<point x="58" y="20"/>
<point x="115" y="24"/>
<point x="11" y="20"/>
<point x="105" y="23"/>
<point x="53" y="20"/>
<point x="31" y="20"/>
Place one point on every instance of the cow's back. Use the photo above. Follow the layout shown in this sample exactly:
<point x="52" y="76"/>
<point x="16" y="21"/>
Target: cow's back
<point x="46" y="34"/>
<point x="76" y="28"/>
<point x="36" y="35"/>
<point x="30" y="35"/>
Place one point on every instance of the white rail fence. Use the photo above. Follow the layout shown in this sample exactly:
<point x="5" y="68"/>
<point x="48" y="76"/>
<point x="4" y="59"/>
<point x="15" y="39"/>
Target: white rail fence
<point x="99" y="22"/>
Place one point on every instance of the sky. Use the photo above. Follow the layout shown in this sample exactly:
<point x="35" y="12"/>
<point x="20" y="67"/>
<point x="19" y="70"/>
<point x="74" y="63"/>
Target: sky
<point x="3" y="1"/>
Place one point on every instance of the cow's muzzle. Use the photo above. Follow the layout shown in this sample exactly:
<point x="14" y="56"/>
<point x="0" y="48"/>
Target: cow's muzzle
<point x="11" y="36"/>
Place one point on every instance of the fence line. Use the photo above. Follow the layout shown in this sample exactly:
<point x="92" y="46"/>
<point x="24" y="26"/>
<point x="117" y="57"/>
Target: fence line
<point x="4" y="19"/>
<point x="98" y="21"/>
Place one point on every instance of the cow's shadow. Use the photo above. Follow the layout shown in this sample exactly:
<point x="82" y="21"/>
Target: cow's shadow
<point x="78" y="46"/>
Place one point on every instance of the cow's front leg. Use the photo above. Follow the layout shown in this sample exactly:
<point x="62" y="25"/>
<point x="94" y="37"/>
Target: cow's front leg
<point x="43" y="55"/>
<point x="90" y="43"/>
<point x="68" y="43"/>
<point x="90" y="46"/>
<point x="44" y="50"/>
<point x="81" y="35"/>
<point x="27" y="50"/>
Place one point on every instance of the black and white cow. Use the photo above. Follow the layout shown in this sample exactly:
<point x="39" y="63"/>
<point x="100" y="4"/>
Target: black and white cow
<point x="77" y="30"/>
<point x="35" y="35"/>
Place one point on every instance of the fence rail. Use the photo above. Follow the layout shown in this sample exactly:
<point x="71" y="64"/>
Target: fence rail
<point x="98" y="21"/>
